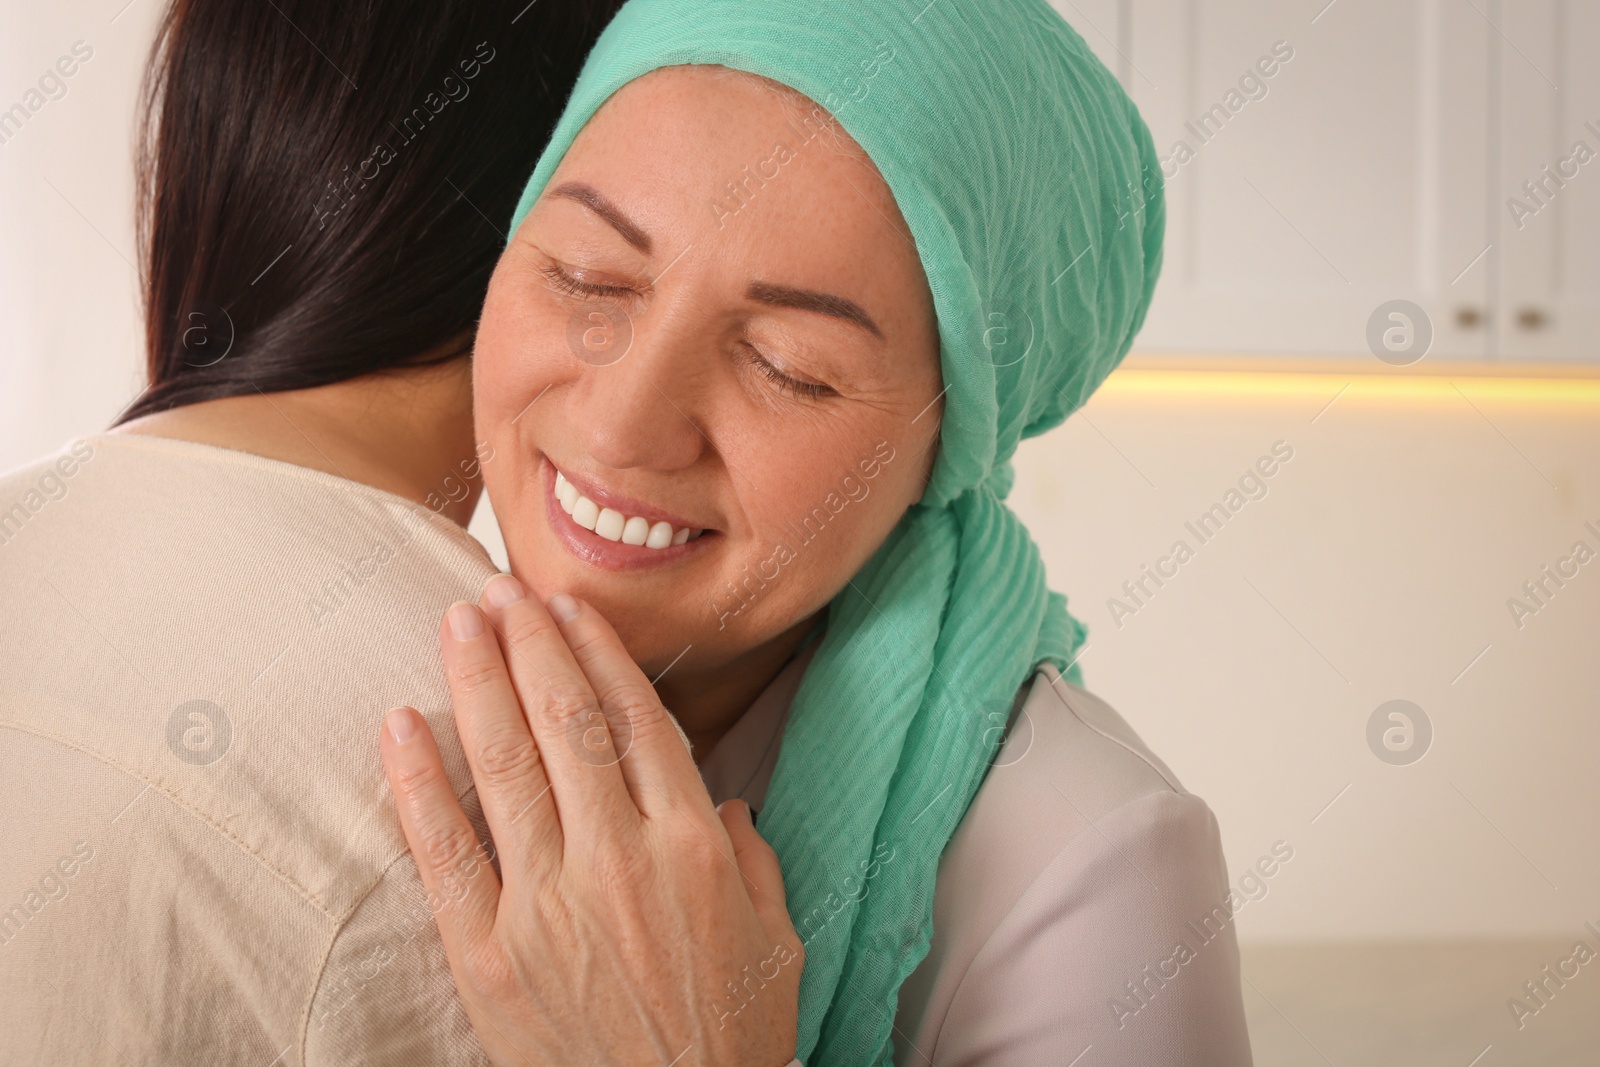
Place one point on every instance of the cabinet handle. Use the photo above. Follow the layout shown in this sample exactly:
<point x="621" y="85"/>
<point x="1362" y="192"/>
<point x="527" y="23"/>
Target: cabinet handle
<point x="1531" y="318"/>
<point x="1469" y="318"/>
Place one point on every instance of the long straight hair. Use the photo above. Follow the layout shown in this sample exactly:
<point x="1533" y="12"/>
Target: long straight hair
<point x="323" y="187"/>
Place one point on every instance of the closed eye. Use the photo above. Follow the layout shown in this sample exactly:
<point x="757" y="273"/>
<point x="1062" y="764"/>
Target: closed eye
<point x="563" y="282"/>
<point x="794" y="386"/>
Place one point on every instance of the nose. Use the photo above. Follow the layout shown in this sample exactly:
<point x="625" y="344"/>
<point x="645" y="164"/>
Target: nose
<point x="641" y="410"/>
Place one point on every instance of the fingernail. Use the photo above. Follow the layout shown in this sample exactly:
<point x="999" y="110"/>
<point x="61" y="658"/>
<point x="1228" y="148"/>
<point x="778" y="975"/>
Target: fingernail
<point x="563" y="607"/>
<point x="465" y="621"/>
<point x="402" y="724"/>
<point x="503" y="590"/>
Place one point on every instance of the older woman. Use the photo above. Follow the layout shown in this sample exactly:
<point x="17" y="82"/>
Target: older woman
<point x="738" y="366"/>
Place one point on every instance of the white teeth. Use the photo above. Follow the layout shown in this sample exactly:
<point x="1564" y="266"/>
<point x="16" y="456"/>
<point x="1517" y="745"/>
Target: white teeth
<point x="615" y="526"/>
<point x="660" y="535"/>
<point x="609" y="525"/>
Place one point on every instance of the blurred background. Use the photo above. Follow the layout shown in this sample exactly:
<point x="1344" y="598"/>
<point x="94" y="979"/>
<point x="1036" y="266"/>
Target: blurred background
<point x="1383" y="284"/>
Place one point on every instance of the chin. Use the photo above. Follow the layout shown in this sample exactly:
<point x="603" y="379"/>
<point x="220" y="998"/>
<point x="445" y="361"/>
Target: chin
<point x="654" y="623"/>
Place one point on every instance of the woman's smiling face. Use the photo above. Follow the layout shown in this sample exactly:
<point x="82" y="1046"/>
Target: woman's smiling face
<point x="712" y="325"/>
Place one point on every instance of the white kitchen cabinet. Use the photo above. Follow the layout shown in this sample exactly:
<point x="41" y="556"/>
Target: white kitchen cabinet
<point x="1325" y="158"/>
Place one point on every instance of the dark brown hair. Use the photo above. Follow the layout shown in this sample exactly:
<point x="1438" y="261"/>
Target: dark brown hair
<point x="323" y="186"/>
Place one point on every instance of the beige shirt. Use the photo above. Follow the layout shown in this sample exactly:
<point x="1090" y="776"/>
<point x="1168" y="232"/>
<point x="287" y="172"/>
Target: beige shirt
<point x="202" y="859"/>
<point x="203" y="863"/>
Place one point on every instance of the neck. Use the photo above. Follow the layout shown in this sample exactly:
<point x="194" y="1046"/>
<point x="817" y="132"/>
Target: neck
<point x="707" y="701"/>
<point x="406" y="431"/>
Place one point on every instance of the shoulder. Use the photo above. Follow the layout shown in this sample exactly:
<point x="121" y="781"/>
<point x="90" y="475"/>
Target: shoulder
<point x="1079" y="863"/>
<point x="1065" y="728"/>
<point x="127" y="500"/>
<point x="229" y="631"/>
<point x="27" y="490"/>
<point x="1071" y="772"/>
<point x="1072" y="776"/>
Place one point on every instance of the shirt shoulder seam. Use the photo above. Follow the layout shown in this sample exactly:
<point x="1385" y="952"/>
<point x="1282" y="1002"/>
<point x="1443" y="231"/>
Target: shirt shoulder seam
<point x="1064" y="691"/>
<point x="150" y="783"/>
<point x="343" y="924"/>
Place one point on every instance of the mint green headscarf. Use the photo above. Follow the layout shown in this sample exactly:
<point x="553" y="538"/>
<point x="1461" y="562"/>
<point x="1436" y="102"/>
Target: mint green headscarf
<point x="1032" y="190"/>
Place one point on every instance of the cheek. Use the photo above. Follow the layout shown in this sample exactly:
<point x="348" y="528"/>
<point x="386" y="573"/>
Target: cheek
<point x="821" y="500"/>
<point x="516" y="361"/>
<point x="515" y="358"/>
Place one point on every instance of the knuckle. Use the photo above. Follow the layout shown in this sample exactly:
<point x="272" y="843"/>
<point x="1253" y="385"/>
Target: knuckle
<point x="413" y="783"/>
<point x="474" y="675"/>
<point x="525" y="627"/>
<point x="446" y="847"/>
<point x="636" y="714"/>
<point x="568" y="702"/>
<point x="637" y="705"/>
<point x="508" y="758"/>
<point x="588" y="642"/>
<point x="596" y="645"/>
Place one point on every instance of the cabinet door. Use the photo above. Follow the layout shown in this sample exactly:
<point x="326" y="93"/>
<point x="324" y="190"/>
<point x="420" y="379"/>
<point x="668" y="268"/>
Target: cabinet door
<point x="1356" y="172"/>
<point x="1547" y="195"/>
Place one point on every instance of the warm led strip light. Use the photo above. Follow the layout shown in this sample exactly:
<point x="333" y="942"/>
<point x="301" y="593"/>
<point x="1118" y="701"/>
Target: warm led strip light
<point x="1138" y="378"/>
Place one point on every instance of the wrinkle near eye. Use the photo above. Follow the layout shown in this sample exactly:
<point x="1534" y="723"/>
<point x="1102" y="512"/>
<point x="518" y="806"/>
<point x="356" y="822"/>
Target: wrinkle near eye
<point x="781" y="380"/>
<point x="798" y="354"/>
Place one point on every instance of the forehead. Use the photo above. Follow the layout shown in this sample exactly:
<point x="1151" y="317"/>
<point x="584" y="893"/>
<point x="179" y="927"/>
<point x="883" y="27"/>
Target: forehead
<point x="747" y="171"/>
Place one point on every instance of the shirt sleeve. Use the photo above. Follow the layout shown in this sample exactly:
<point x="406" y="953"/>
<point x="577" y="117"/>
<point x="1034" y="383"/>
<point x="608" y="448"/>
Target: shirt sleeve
<point x="1123" y="945"/>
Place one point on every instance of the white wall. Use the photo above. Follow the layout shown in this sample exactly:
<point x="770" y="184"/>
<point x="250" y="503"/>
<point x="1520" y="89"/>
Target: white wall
<point x="1381" y="558"/>
<point x="1378" y="566"/>
<point x="69" y="325"/>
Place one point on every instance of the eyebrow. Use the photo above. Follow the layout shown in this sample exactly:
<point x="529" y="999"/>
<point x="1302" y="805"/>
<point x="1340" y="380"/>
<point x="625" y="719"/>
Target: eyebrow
<point x="591" y="198"/>
<point x="810" y="300"/>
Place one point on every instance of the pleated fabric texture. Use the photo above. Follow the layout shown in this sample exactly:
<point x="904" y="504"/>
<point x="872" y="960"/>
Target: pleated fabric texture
<point x="1033" y="194"/>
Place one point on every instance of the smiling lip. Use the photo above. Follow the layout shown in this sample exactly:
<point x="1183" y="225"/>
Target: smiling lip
<point x="601" y="552"/>
<point x="616" y="502"/>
